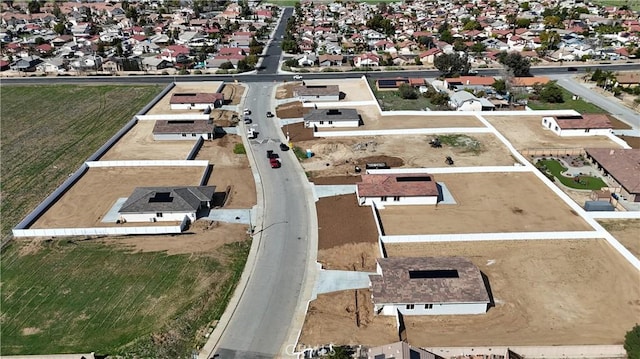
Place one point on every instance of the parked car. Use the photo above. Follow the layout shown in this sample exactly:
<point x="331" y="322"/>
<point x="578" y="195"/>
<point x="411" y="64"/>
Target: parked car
<point x="274" y="162"/>
<point x="572" y="69"/>
<point x="269" y="114"/>
<point x="247" y="111"/>
<point x="284" y="147"/>
<point x="247" y="120"/>
<point x="297" y="77"/>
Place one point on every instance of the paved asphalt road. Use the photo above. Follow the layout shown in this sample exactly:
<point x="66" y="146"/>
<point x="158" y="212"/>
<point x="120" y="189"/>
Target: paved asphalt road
<point x="271" y="61"/>
<point x="620" y="111"/>
<point x="259" y="326"/>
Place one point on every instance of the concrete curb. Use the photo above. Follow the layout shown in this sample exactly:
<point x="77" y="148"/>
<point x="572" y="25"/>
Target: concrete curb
<point x="214" y="339"/>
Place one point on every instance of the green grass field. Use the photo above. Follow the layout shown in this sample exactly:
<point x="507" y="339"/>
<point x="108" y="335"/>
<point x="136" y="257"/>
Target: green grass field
<point x="392" y="101"/>
<point x="632" y="4"/>
<point x="48" y="131"/>
<point x="585" y="182"/>
<point x="579" y="105"/>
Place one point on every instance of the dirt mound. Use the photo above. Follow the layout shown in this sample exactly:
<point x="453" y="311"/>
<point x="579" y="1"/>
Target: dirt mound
<point x="389" y="160"/>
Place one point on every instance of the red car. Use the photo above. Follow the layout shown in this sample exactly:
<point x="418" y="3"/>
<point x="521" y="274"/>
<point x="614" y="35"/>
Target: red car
<point x="274" y="162"/>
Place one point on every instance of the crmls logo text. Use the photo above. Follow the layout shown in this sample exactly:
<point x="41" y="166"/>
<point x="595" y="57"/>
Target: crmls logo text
<point x="311" y="352"/>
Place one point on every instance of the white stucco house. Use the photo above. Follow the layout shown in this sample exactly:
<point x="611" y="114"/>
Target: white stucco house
<point x="584" y="125"/>
<point x="397" y="189"/>
<point x="165" y="204"/>
<point x="465" y="101"/>
<point x="196" y="101"/>
<point x="344" y="117"/>
<point x="428" y="286"/>
<point x="172" y="130"/>
<point x="317" y="93"/>
<point x="399" y="350"/>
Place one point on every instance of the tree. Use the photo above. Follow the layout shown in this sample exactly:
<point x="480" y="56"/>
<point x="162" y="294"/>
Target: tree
<point x="632" y="342"/>
<point x="551" y="93"/>
<point x="516" y="63"/>
<point x="290" y="46"/>
<point x="226" y="65"/>
<point x="446" y="36"/>
<point x="459" y="45"/>
<point x="40" y="40"/>
<point x="407" y="92"/>
<point x="500" y="86"/>
<point x="522" y="23"/>
<point x="56" y="10"/>
<point x="478" y="48"/>
<point x="33" y="7"/>
<point x="452" y="64"/>
<point x="472" y="25"/>
<point x="549" y="39"/>
<point x="440" y="99"/>
<point x="60" y="28"/>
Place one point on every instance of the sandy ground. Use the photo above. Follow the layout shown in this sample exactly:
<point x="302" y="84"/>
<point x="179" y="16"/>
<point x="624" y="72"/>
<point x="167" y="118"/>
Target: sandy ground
<point x="413" y="150"/>
<point x="362" y="257"/>
<point x="232" y="93"/>
<point x="138" y="144"/>
<point x="486" y="203"/>
<point x="224" y="118"/>
<point x="546" y="293"/>
<point x="230" y="170"/>
<point x="336" y="228"/>
<point x="353" y="89"/>
<point x="163" y="106"/>
<point x="87" y="201"/>
<point x="526" y="132"/>
<point x="292" y="110"/>
<point x="626" y="231"/>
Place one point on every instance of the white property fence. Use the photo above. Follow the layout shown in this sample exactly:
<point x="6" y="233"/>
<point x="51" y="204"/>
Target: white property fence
<point x="408" y="131"/>
<point x="149" y="163"/>
<point x="555" y="351"/>
<point x="176" y="117"/>
<point x="61" y="232"/>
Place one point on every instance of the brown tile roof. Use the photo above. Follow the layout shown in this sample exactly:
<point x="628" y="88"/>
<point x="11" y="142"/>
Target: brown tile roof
<point x="621" y="164"/>
<point x="530" y="81"/>
<point x="591" y="121"/>
<point x="397" y="285"/>
<point x="169" y="126"/>
<point x="628" y="78"/>
<point x="181" y="98"/>
<point x="378" y="185"/>
<point x="316" y="90"/>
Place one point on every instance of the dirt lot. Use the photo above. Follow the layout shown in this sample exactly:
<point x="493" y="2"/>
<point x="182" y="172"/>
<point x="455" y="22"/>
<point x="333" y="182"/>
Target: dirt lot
<point x="626" y="232"/>
<point x="229" y="169"/>
<point x="332" y="319"/>
<point x="86" y="202"/>
<point x="163" y="106"/>
<point x="362" y="257"/>
<point x="341" y="153"/>
<point x="486" y="203"/>
<point x="546" y="293"/>
<point x="224" y="118"/>
<point x="138" y="144"/>
<point x="634" y="142"/>
<point x="353" y="89"/>
<point x="336" y="228"/>
<point x="232" y="93"/>
<point x="526" y="132"/>
<point x="292" y="110"/>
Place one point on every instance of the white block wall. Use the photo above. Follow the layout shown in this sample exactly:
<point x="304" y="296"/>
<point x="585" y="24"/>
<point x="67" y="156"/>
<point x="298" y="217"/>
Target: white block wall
<point x="437" y="309"/>
<point x="353" y="123"/>
<point x="189" y="106"/>
<point x="166" y="217"/>
<point x="404" y="201"/>
<point x="179" y="137"/>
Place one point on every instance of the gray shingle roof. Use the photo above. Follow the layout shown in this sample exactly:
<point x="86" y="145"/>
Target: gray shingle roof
<point x="396" y="285"/>
<point x="343" y="114"/>
<point x="167" y="199"/>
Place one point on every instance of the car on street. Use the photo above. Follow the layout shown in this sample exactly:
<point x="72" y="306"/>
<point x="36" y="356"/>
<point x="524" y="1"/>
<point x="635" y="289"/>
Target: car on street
<point x="274" y="162"/>
<point x="297" y="77"/>
<point x="247" y="111"/>
<point x="284" y="147"/>
<point x="247" y="120"/>
<point x="269" y="114"/>
<point x="572" y="69"/>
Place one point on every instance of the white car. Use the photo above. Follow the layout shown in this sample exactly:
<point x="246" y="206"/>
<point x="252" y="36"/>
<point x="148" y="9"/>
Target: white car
<point x="297" y="77"/>
<point x="247" y="111"/>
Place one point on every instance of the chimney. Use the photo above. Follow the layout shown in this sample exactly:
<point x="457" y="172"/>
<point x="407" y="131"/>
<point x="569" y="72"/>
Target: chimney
<point x="467" y="82"/>
<point x="611" y="152"/>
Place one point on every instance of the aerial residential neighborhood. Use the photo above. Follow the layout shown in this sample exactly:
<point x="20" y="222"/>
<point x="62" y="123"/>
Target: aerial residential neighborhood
<point x="442" y="179"/>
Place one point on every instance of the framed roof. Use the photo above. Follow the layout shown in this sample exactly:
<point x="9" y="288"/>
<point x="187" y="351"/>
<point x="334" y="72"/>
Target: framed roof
<point x="590" y="121"/>
<point x="391" y="185"/>
<point x="428" y="280"/>
<point x="183" y="98"/>
<point x="317" y="90"/>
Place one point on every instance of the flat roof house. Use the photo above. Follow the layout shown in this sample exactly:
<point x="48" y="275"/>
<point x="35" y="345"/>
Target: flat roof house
<point x="195" y="101"/>
<point x="428" y="286"/>
<point x="344" y="117"/>
<point x="164" y="204"/>
<point x="182" y="130"/>
<point x="621" y="166"/>
<point x="584" y="125"/>
<point x="317" y="93"/>
<point x="397" y="189"/>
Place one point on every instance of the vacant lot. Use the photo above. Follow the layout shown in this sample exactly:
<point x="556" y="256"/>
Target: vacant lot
<point x="81" y="296"/>
<point x="526" y="132"/>
<point x="351" y="89"/>
<point x="546" y="293"/>
<point x="49" y="131"/>
<point x="232" y="93"/>
<point x="626" y="232"/>
<point x="486" y="203"/>
<point x="336" y="156"/>
<point x="87" y="201"/>
<point x="342" y="221"/>
<point x="164" y="107"/>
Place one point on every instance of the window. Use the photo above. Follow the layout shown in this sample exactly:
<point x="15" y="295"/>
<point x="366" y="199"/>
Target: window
<point x="556" y="128"/>
<point x="383" y="198"/>
<point x="159" y="214"/>
<point x="410" y="306"/>
<point x="396" y="198"/>
<point x="184" y="135"/>
<point x="331" y="122"/>
<point x="322" y="122"/>
<point x="586" y="130"/>
<point x="193" y="135"/>
<point x="428" y="306"/>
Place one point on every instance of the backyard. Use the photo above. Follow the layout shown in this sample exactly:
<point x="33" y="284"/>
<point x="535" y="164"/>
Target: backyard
<point x="81" y="296"/>
<point x="42" y="141"/>
<point x="569" y="103"/>
<point x="392" y="101"/>
<point x="574" y="180"/>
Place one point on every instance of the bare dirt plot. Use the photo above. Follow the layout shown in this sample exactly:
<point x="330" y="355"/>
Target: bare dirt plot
<point x="138" y="144"/>
<point x="292" y="110"/>
<point x="626" y="232"/>
<point x="232" y="93"/>
<point x="546" y="293"/>
<point x="332" y="319"/>
<point x="297" y="132"/>
<point x="634" y="142"/>
<point x="163" y="106"/>
<point x="229" y="170"/>
<point x="525" y="132"/>
<point x="415" y="152"/>
<point x="342" y="221"/>
<point x="224" y="118"/>
<point x="87" y="201"/>
<point x="487" y="203"/>
<point x="351" y="89"/>
<point x="360" y="257"/>
<point x="285" y="90"/>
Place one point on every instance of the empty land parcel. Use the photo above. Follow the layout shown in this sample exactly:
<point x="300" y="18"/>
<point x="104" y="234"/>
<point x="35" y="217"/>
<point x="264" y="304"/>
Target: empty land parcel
<point x="49" y="131"/>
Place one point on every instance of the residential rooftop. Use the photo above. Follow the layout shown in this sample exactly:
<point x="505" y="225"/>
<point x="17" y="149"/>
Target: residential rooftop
<point x="391" y="185"/>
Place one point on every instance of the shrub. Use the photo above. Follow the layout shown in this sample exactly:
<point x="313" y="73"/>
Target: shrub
<point x="197" y="72"/>
<point x="632" y="342"/>
<point x="239" y="149"/>
<point x="407" y="92"/>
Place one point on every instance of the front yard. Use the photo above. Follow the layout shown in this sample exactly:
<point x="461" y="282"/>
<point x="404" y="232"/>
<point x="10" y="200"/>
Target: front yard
<point x="569" y="103"/>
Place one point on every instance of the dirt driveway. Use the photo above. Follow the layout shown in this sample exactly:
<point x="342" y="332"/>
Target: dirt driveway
<point x="415" y="152"/>
<point x="486" y="203"/>
<point x="163" y="106"/>
<point x="138" y="144"/>
<point x="526" y="132"/>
